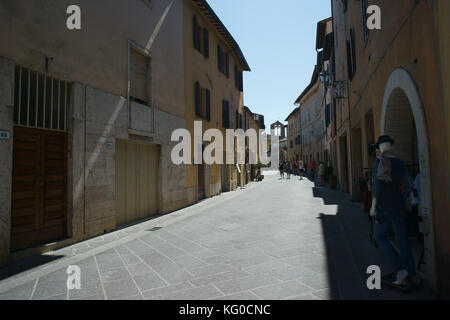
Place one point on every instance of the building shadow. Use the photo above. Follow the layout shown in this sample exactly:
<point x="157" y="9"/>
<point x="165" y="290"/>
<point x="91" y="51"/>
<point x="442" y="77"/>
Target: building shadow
<point x="26" y="264"/>
<point x="350" y="251"/>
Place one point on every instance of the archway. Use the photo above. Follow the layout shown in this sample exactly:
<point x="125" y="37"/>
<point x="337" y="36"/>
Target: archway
<point x="403" y="118"/>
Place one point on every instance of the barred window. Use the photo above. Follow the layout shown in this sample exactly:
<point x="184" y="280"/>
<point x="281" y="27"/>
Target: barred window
<point x="40" y="101"/>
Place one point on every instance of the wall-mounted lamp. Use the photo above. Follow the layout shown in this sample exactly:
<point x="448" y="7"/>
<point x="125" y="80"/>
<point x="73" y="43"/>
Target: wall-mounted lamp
<point x="340" y="87"/>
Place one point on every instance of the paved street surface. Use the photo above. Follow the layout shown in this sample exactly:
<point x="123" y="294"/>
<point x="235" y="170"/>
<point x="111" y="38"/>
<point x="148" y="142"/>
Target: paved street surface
<point x="276" y="240"/>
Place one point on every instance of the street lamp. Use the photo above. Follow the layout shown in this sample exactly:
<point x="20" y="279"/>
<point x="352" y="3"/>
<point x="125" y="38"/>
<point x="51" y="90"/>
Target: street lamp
<point x="325" y="78"/>
<point x="340" y="87"/>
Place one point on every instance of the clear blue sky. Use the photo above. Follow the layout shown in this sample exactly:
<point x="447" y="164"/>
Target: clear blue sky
<point x="278" y="41"/>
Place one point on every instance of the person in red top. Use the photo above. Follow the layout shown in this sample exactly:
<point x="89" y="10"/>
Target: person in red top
<point x="313" y="166"/>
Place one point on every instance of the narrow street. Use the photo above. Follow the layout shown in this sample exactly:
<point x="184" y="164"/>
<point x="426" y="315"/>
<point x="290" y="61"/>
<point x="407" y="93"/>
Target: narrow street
<point x="279" y="239"/>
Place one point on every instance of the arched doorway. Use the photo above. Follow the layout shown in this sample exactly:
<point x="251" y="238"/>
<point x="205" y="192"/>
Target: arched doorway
<point x="403" y="118"/>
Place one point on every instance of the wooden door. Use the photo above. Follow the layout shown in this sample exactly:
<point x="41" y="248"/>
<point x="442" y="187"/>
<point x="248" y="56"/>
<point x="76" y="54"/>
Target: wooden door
<point x="137" y="176"/>
<point x="39" y="193"/>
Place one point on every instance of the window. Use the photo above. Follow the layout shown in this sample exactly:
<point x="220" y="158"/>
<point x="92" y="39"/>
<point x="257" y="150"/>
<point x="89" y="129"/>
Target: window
<point x="327" y="115"/>
<point x="237" y="120"/>
<point x="240" y="81"/>
<point x="227" y="65"/>
<point x="208" y="104"/>
<point x="202" y="102"/>
<point x="206" y="43"/>
<point x="223" y="61"/>
<point x="196" y="31"/>
<point x="200" y="38"/>
<point x="226" y="114"/>
<point x="40" y="101"/>
<point x="220" y="58"/>
<point x="351" y="55"/>
<point x="198" y="105"/>
<point x="139" y="76"/>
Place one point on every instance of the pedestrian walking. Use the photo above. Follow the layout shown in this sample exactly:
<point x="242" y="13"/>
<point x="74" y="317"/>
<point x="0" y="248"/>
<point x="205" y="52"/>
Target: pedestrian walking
<point x="302" y="169"/>
<point x="322" y="173"/>
<point x="289" y="170"/>
<point x="390" y="193"/>
<point x="281" y="168"/>
<point x="313" y="166"/>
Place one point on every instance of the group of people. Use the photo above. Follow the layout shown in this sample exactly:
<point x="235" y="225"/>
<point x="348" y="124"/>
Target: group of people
<point x="289" y="168"/>
<point x="300" y="168"/>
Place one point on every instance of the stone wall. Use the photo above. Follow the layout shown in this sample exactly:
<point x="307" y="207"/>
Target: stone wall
<point x="107" y="121"/>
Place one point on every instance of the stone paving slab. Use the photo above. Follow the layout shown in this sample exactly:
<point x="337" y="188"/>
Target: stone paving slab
<point x="243" y="245"/>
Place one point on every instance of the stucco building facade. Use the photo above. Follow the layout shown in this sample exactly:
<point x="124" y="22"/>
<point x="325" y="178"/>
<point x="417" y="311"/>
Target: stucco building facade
<point x="397" y="85"/>
<point x="86" y="116"/>
<point x="214" y="66"/>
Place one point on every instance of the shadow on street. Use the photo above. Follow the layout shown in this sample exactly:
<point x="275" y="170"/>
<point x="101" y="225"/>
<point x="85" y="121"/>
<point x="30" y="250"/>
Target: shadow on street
<point x="350" y="251"/>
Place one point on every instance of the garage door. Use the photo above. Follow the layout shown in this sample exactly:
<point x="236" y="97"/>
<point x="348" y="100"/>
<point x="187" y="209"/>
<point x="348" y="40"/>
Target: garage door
<point x="137" y="173"/>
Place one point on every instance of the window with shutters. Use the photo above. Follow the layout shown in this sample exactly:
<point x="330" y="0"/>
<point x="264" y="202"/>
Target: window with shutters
<point x="139" y="76"/>
<point x="206" y="43"/>
<point x="196" y="32"/>
<point x="327" y="115"/>
<point x="241" y="81"/>
<point x="202" y="101"/>
<point x="223" y="61"/>
<point x="227" y="65"/>
<point x="200" y="37"/>
<point x="220" y="58"/>
<point x="238" y="79"/>
<point x="208" y="104"/>
<point x="226" y="114"/>
<point x="351" y="55"/>
<point x="197" y="100"/>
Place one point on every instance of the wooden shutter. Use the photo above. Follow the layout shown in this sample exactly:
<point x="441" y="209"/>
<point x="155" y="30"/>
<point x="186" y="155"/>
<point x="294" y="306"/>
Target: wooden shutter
<point x="195" y="32"/>
<point x="241" y="81"/>
<point x="206" y="43"/>
<point x="198" y="109"/>
<point x="227" y="65"/>
<point x="202" y="103"/>
<point x="352" y="37"/>
<point x="139" y="65"/>
<point x="225" y="114"/>
<point x="208" y="104"/>
<point x="236" y="77"/>
<point x="219" y="58"/>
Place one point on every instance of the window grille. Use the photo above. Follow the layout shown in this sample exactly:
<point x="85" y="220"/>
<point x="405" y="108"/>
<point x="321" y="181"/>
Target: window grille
<point x="40" y="101"/>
